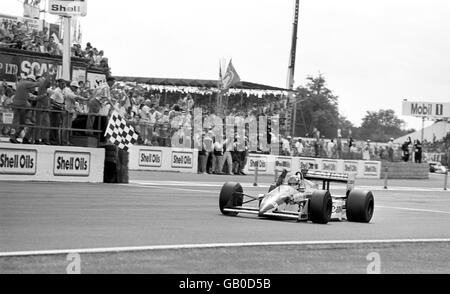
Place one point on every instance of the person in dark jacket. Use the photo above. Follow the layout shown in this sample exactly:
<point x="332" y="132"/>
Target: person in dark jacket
<point x="22" y="100"/>
<point x="41" y="135"/>
<point x="417" y="152"/>
<point x="405" y="149"/>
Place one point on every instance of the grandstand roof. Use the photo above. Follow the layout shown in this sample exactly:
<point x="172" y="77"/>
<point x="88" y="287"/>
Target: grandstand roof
<point x="195" y="83"/>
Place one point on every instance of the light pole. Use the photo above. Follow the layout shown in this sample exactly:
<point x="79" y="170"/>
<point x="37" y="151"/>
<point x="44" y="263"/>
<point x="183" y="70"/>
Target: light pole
<point x="66" y="48"/>
<point x="67" y="9"/>
<point x="294" y="118"/>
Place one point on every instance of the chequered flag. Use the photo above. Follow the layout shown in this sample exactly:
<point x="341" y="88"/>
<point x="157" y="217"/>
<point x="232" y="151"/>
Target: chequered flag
<point x="120" y="133"/>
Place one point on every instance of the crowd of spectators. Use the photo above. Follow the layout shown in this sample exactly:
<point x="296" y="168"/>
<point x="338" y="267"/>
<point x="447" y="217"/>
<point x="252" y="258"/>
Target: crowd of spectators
<point x="19" y="35"/>
<point x="31" y="98"/>
<point x="342" y="148"/>
<point x="96" y="58"/>
<point x="158" y="114"/>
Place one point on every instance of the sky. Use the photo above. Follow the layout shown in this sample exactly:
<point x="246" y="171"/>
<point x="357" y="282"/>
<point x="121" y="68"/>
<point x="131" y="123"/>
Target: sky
<point x="373" y="54"/>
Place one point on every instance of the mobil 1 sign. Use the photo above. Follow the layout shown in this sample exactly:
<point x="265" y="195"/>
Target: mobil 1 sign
<point x="72" y="164"/>
<point x="426" y="109"/>
<point x="68" y="7"/>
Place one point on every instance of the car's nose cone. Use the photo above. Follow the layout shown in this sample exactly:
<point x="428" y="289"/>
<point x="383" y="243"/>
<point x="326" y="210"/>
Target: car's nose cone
<point x="267" y="205"/>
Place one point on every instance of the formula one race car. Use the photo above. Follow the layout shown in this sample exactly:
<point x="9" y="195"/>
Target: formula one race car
<point x="301" y="199"/>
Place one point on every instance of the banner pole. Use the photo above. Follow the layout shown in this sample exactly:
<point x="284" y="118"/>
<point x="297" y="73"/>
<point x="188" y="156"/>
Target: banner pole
<point x="445" y="180"/>
<point x="386" y="171"/>
<point x="67" y="49"/>
<point x="256" y="175"/>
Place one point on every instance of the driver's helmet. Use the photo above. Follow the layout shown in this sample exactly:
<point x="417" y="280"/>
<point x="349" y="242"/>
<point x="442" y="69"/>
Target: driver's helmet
<point x="293" y="180"/>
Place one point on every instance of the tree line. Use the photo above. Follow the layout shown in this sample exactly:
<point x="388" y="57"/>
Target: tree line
<point x="318" y="108"/>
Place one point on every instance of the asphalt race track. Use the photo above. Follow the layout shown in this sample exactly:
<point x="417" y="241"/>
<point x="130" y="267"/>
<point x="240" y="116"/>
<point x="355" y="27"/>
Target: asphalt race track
<point x="176" y="210"/>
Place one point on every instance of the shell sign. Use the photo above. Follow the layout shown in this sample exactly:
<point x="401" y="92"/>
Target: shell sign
<point x="68" y="7"/>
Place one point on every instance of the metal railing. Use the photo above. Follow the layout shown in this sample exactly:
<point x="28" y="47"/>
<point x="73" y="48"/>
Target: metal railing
<point x="61" y="129"/>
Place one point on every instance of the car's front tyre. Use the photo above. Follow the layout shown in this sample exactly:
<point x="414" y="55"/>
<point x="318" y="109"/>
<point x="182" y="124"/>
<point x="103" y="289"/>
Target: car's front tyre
<point x="320" y="206"/>
<point x="230" y="195"/>
<point x="360" y="206"/>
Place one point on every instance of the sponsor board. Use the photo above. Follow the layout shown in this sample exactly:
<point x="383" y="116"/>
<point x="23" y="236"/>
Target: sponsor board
<point x="329" y="165"/>
<point x="14" y="66"/>
<point x="33" y="24"/>
<point x="71" y="164"/>
<point x="371" y="168"/>
<point x="18" y="161"/>
<point x="150" y="158"/>
<point x="68" y="7"/>
<point x="259" y="161"/>
<point x="282" y="163"/>
<point x="309" y="164"/>
<point x="433" y="156"/>
<point x="180" y="159"/>
<point x="350" y="166"/>
<point x="7" y="117"/>
<point x="426" y="109"/>
<point x="78" y="74"/>
<point x="95" y="80"/>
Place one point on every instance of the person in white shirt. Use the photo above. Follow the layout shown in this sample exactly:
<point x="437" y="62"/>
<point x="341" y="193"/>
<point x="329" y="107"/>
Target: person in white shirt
<point x="330" y="151"/>
<point x="70" y="100"/>
<point x="144" y="122"/>
<point x="366" y="151"/>
<point x="390" y="147"/>
<point x="56" y="117"/>
<point x="286" y="146"/>
<point x="217" y="158"/>
<point x="299" y="147"/>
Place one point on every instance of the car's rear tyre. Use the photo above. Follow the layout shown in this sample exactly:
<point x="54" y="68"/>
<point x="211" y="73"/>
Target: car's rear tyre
<point x="320" y="206"/>
<point x="360" y="206"/>
<point x="230" y="195"/>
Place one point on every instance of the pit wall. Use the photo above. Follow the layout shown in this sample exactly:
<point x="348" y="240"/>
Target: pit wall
<point x="405" y="170"/>
<point x="186" y="160"/>
<point x="267" y="164"/>
<point x="51" y="163"/>
<point x="163" y="159"/>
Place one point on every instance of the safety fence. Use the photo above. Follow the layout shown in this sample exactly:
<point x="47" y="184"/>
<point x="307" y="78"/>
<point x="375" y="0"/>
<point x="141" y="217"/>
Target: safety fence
<point x="51" y="126"/>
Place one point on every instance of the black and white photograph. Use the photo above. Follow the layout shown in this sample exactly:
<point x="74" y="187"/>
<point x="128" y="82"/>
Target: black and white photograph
<point x="225" y="145"/>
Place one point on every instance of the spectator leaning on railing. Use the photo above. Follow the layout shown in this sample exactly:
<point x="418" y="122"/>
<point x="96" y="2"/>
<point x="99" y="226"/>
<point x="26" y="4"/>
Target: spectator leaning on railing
<point x="70" y="99"/>
<point x="22" y="100"/>
<point x="56" y="117"/>
<point x="41" y="132"/>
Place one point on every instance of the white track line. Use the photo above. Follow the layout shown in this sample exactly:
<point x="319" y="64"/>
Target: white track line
<point x="213" y="192"/>
<point x="218" y="245"/>
<point x="169" y="188"/>
<point x="267" y="185"/>
<point x="413" y="209"/>
<point x="192" y="184"/>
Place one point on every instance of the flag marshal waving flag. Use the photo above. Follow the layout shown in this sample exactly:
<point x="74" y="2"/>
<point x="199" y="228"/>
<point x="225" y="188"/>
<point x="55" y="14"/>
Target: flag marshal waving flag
<point x="231" y="77"/>
<point x="120" y="133"/>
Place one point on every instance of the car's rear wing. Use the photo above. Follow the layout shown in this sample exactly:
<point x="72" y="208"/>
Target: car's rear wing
<point x="328" y="177"/>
